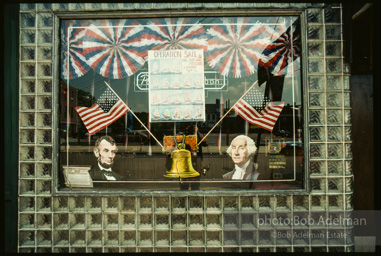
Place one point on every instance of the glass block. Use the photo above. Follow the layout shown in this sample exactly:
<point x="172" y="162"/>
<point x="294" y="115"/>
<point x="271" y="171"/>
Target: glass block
<point x="161" y="221"/>
<point x="61" y="238"/>
<point x="266" y="237"/>
<point x="318" y="237"/>
<point x="43" y="237"/>
<point x="127" y="204"/>
<point x="230" y="203"/>
<point x="27" y="153"/>
<point x="348" y="150"/>
<point x="334" y="65"/>
<point x="162" y="238"/>
<point x="77" y="204"/>
<point x="231" y="238"/>
<point x="61" y="220"/>
<point x="43" y="153"/>
<point x="248" y="220"/>
<point x="111" y="238"/>
<point x="44" y="53"/>
<point x="145" y="238"/>
<point x="317" y="185"/>
<point x="76" y="6"/>
<point x="196" y="203"/>
<point x="111" y="221"/>
<point x="317" y="151"/>
<point x="301" y="237"/>
<point x="335" y="168"/>
<point x="283" y="203"/>
<point x="348" y="202"/>
<point x="26" y="221"/>
<point x="283" y="237"/>
<point x="266" y="202"/>
<point x="317" y="134"/>
<point x="335" y="185"/>
<point x="27" y="170"/>
<point x="213" y="203"/>
<point x="94" y="238"/>
<point x="27" y="20"/>
<point x="44" y="120"/>
<point x="28" y="86"/>
<point x="28" y="103"/>
<point x="26" y="238"/>
<point x="196" y="238"/>
<point x="178" y="5"/>
<point x="335" y="133"/>
<point x="28" y="53"/>
<point x="44" y="86"/>
<point x="77" y="237"/>
<point x="26" y="187"/>
<point x="128" y="237"/>
<point x="145" y="204"/>
<point x="145" y="249"/>
<point x="316" y="82"/>
<point x="265" y="220"/>
<point x="27" y="7"/>
<point x="315" y="32"/>
<point x="335" y="151"/>
<point x="161" y="204"/>
<point x="315" y="48"/>
<point x="94" y="221"/>
<point x="348" y="168"/>
<point x="333" y="49"/>
<point x="26" y="204"/>
<point x="44" y="69"/>
<point x="317" y="117"/>
<point x="317" y="100"/>
<point x="347" y="99"/>
<point x="26" y="136"/>
<point x="45" y="36"/>
<point x="347" y="83"/>
<point x="332" y="15"/>
<point x="28" y="69"/>
<point x="317" y="168"/>
<point x="315" y="66"/>
<point x="77" y="221"/>
<point x="44" y="204"/>
<point x="349" y="185"/>
<point x="26" y="119"/>
<point x="213" y="238"/>
<point x="347" y="116"/>
<point x="247" y="203"/>
<point x="178" y="203"/>
<point x="179" y="238"/>
<point x="334" y="116"/>
<point x="179" y="221"/>
<point x="128" y="220"/>
<point x="231" y="249"/>
<point x="111" y="204"/>
<point x="213" y="221"/>
<point x="300" y="202"/>
<point x="44" y="136"/>
<point x="145" y="221"/>
<point x="282" y="219"/>
<point x="93" y="204"/>
<point x="213" y="249"/>
<point x="334" y="83"/>
<point x="335" y="202"/>
<point x="128" y="5"/>
<point x="79" y="249"/>
<point x="314" y="16"/>
<point x="332" y="32"/>
<point x="44" y="221"/>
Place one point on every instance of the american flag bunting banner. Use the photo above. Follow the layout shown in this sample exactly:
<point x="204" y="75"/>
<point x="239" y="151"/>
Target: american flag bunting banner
<point x="265" y="119"/>
<point x="104" y="112"/>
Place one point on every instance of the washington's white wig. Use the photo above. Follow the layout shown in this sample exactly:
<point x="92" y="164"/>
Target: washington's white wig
<point x="250" y="145"/>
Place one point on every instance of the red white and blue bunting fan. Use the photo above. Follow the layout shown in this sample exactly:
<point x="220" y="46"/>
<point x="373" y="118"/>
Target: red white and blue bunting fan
<point x="114" y="48"/>
<point x="235" y="46"/>
<point x="73" y="61"/>
<point x="282" y="51"/>
<point x="175" y="34"/>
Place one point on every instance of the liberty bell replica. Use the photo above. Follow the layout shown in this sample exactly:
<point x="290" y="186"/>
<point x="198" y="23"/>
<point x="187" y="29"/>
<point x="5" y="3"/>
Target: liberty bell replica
<point x="181" y="163"/>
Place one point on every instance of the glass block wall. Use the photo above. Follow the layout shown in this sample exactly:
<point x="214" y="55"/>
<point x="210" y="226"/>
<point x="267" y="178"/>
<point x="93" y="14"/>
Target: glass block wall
<point x="186" y="222"/>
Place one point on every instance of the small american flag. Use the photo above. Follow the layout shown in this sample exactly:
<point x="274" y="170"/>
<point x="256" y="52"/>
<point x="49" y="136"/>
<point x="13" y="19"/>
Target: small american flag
<point x="103" y="113"/>
<point x="246" y="108"/>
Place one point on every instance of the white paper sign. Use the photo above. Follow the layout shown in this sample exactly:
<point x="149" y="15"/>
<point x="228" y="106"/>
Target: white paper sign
<point x="77" y="176"/>
<point x="176" y="85"/>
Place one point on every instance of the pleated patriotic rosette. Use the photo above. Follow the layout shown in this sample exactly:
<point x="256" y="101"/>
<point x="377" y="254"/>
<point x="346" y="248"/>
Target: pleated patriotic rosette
<point x="283" y="50"/>
<point x="114" y="48"/>
<point x="175" y="33"/>
<point x="73" y="61"/>
<point x="235" y="46"/>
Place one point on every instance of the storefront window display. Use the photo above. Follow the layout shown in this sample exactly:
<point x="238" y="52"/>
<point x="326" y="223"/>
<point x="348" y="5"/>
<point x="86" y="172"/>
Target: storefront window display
<point x="185" y="103"/>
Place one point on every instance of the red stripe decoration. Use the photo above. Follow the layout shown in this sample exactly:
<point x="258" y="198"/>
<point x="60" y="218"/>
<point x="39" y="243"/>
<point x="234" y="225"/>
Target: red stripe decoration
<point x="95" y="119"/>
<point x="265" y="119"/>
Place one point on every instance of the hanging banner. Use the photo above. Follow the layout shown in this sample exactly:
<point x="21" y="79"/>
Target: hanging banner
<point x="176" y="86"/>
